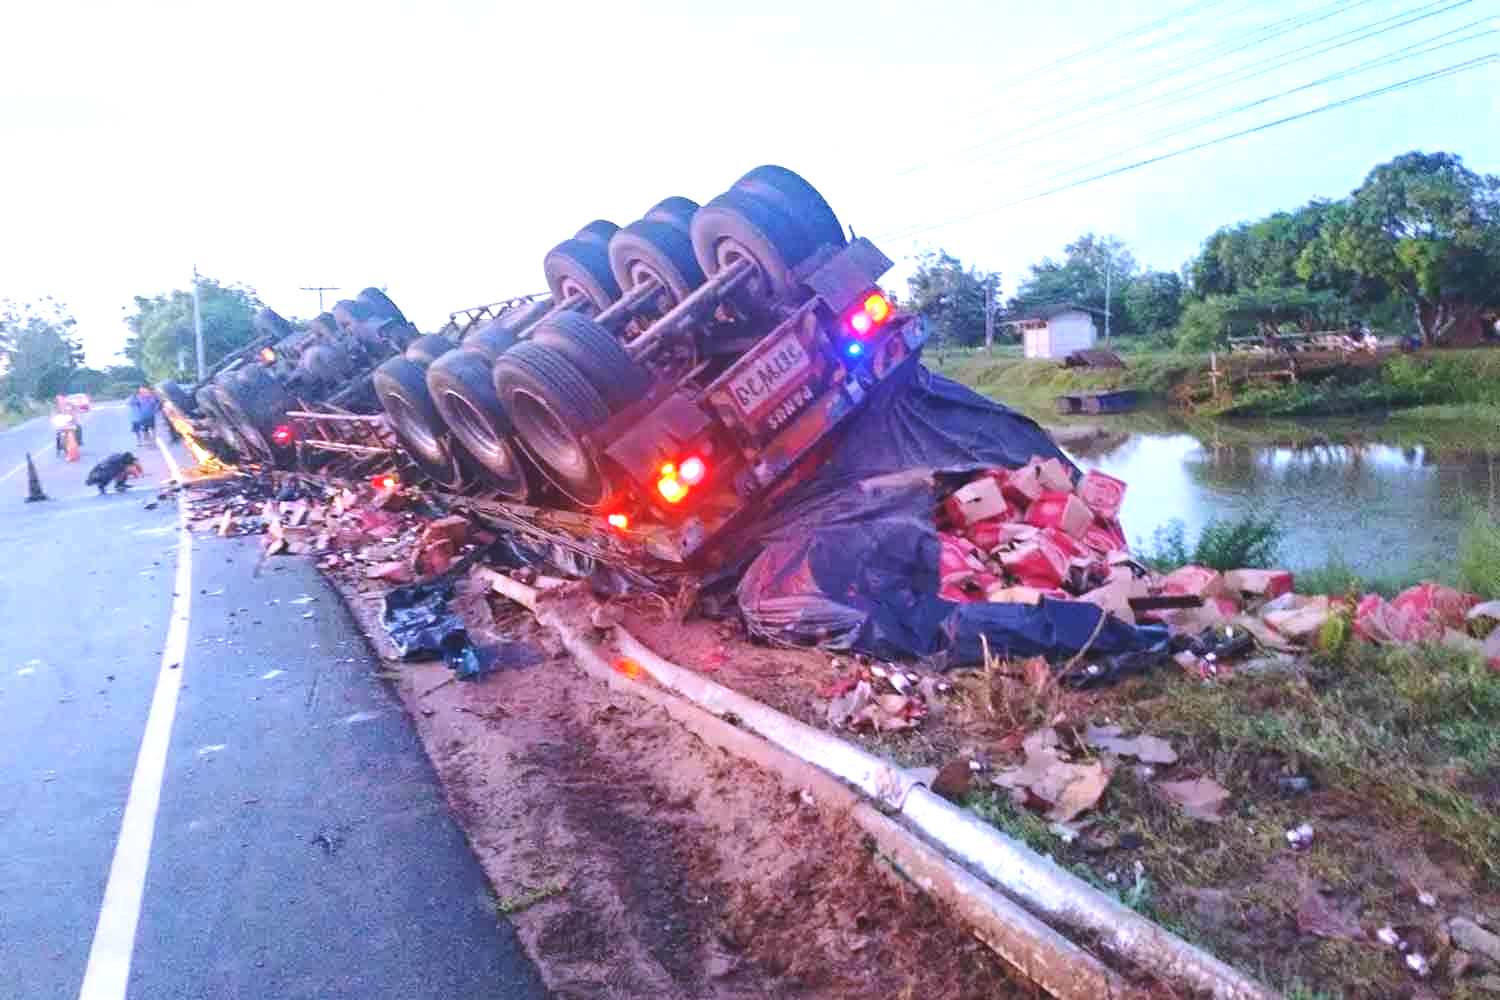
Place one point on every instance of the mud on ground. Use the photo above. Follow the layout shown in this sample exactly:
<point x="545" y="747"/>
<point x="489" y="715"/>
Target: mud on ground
<point x="634" y="860"/>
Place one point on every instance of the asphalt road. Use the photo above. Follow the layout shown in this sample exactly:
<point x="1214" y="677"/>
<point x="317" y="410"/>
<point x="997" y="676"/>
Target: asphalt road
<point x="291" y="842"/>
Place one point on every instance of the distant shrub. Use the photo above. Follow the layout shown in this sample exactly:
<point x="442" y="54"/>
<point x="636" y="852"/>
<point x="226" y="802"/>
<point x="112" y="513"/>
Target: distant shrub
<point x="1248" y="542"/>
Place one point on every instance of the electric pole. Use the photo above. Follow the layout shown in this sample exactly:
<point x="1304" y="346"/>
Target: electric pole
<point x="989" y="315"/>
<point x="198" y="325"/>
<point x="320" y="289"/>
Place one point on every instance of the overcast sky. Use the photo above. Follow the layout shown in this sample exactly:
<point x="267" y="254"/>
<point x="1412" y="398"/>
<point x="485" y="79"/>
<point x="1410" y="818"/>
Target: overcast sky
<point x="439" y="148"/>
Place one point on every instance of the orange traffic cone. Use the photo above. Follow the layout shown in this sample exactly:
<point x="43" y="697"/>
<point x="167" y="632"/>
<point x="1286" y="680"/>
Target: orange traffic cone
<point x="70" y="442"/>
<point x="33" y="483"/>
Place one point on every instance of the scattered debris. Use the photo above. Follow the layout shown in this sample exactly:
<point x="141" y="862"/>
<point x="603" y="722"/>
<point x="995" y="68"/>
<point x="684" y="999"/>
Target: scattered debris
<point x="1200" y="798"/>
<point x="1300" y="837"/>
<point x="1147" y="749"/>
<point x="1066" y="789"/>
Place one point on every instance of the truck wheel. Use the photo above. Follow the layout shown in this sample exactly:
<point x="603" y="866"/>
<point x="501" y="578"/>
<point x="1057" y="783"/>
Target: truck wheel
<point x="523" y="317"/>
<point x="327" y="363"/>
<point x="491" y="340"/>
<point x="649" y="249"/>
<point x="736" y="226"/>
<point x="675" y="211"/>
<point x="256" y="404"/>
<point x="401" y="386"/>
<point x="381" y="303"/>
<point x="597" y="355"/>
<point x="178" y="397"/>
<point x="581" y="267"/>
<point x="554" y="408"/>
<point x="798" y="199"/>
<point x="428" y="348"/>
<point x="462" y="385"/>
<point x="325" y="325"/>
<point x="270" y="324"/>
<point x="598" y="232"/>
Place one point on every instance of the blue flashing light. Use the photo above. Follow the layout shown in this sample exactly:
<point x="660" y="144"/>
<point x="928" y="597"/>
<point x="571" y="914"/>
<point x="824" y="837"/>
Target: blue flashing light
<point x="855" y="350"/>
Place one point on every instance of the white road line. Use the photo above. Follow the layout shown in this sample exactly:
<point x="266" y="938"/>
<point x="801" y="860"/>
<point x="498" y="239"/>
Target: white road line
<point x="12" y="472"/>
<point x="107" y="976"/>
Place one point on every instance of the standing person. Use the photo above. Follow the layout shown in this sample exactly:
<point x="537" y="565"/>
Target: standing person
<point x="142" y="407"/>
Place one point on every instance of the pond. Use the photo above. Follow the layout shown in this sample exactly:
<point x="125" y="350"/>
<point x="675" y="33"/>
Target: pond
<point x="1383" y="504"/>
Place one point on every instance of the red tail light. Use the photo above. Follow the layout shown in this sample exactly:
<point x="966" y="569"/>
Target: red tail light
<point x="619" y="521"/>
<point x="692" y="470"/>
<point x="872" y="312"/>
<point x="386" y="482"/>
<point x="283" y="435"/>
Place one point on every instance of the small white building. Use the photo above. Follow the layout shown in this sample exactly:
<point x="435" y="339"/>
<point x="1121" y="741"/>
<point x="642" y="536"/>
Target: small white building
<point x="1057" y="331"/>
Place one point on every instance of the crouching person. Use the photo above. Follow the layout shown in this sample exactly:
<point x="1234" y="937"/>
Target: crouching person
<point x="117" y="469"/>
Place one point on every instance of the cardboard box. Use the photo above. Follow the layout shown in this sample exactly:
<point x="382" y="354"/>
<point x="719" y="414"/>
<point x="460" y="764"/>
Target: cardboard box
<point x="1196" y="581"/>
<point x="1103" y="493"/>
<point x="1060" y="510"/>
<point x="1260" y="584"/>
<point x="977" y="501"/>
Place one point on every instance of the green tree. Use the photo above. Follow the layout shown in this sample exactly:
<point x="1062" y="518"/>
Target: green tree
<point x="1152" y="302"/>
<point x="39" y="349"/>
<point x="1209" y="322"/>
<point x="1262" y="254"/>
<point x="1080" y="277"/>
<point x="951" y="298"/>
<point x="161" y="342"/>
<point x="1428" y="229"/>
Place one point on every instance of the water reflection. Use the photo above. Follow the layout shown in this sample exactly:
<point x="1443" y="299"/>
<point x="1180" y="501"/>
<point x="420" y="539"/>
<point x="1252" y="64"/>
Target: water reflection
<point x="1384" y="508"/>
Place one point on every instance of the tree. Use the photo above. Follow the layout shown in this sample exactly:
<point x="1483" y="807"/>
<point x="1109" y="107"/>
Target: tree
<point x="162" y="328"/>
<point x="1427" y="228"/>
<point x="39" y="349"/>
<point x="1152" y="302"/>
<point x="951" y="298"/>
<point x="1209" y="322"/>
<point x="1262" y="254"/>
<point x="1080" y="277"/>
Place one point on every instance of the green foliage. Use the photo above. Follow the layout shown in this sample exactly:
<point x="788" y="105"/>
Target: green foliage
<point x="1247" y="542"/>
<point x="951" y="298"/>
<point x="1425" y="228"/>
<point x="162" y="344"/>
<point x="1079" y="279"/>
<point x="1264" y="254"/>
<point x="1479" y="554"/>
<point x="1210" y="322"/>
<point x="1152" y="303"/>
<point x="114" y="382"/>
<point x="39" y="350"/>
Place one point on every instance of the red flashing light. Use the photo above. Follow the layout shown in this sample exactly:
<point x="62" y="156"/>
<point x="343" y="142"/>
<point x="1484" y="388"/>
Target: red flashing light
<point x="619" y="521"/>
<point x="692" y="471"/>
<point x="873" y="311"/>
<point x="671" y="489"/>
<point x="267" y="356"/>
<point x="283" y="435"/>
<point x="386" y="482"/>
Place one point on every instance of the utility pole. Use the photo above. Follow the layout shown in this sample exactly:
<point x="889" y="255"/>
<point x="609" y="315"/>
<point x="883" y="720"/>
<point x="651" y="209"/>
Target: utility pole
<point x="989" y="315"/>
<point x="1106" y="296"/>
<point x="198" y="325"/>
<point x="320" y="289"/>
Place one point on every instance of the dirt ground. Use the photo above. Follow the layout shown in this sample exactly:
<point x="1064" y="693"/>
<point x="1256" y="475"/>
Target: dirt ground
<point x="1399" y="844"/>
<point x="636" y="861"/>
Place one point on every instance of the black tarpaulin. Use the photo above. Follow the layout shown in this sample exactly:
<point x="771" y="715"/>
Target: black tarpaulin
<point x="850" y="558"/>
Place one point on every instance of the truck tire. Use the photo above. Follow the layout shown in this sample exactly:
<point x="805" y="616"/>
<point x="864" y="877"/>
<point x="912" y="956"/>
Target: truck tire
<point x="401" y="386"/>
<point x="462" y="386"/>
<point x="597" y="355"/>
<point x="581" y="267"/>
<point x="491" y="340"/>
<point x="523" y="317"/>
<point x="553" y="408"/>
<point x="328" y="363"/>
<point x="675" y="211"/>
<point x="428" y="348"/>
<point x="739" y="225"/>
<point x="178" y="397"/>
<point x="325" y="325"/>
<point x="798" y="199"/>
<point x="381" y="303"/>
<point x="256" y="404"/>
<point x="270" y="324"/>
<point x="598" y="232"/>
<point x="648" y="249"/>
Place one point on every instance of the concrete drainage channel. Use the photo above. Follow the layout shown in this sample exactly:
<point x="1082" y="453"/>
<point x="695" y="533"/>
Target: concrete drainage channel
<point x="1013" y="908"/>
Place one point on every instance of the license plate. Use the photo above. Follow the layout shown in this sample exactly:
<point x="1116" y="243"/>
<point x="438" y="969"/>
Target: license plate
<point x="767" y="375"/>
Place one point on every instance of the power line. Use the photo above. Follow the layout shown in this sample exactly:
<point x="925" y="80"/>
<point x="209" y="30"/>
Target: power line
<point x="1408" y="83"/>
<point x="1049" y="113"/>
<point x="1339" y="41"/>
<point x="1387" y="59"/>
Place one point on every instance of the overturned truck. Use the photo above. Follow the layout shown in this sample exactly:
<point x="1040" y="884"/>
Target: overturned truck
<point x="682" y="368"/>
